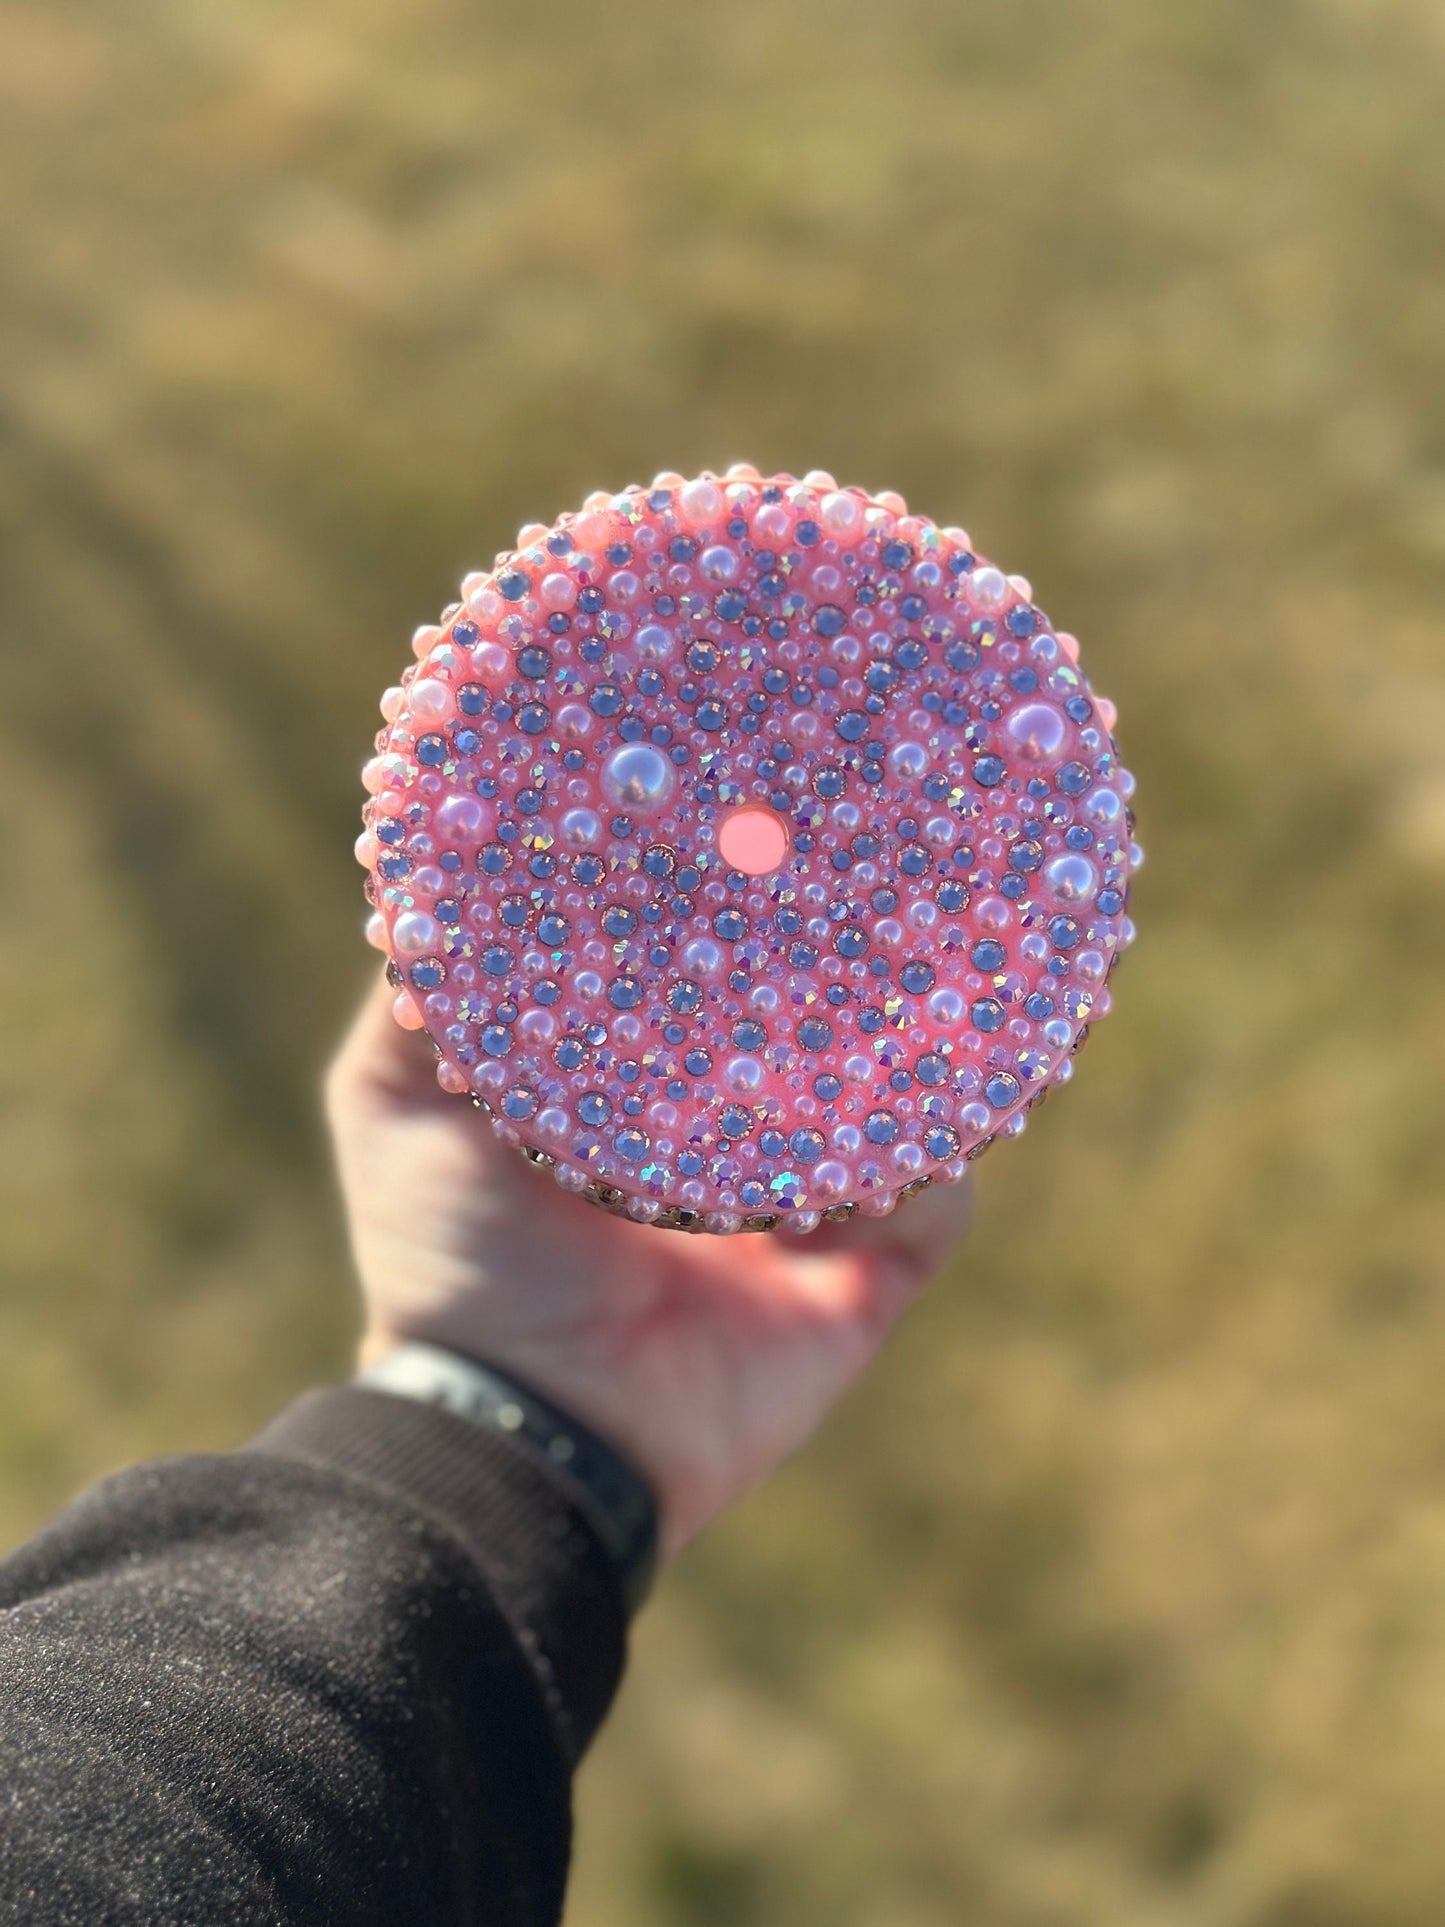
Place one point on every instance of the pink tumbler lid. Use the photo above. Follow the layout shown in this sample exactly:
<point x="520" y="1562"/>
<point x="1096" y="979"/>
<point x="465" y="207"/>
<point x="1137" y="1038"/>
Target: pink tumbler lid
<point x="751" y="850"/>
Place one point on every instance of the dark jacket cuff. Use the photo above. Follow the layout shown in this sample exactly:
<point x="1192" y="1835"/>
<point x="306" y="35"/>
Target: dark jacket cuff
<point x="536" y="1552"/>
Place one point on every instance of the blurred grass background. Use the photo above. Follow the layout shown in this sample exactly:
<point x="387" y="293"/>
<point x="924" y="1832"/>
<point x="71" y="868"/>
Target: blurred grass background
<point x="1117" y="1595"/>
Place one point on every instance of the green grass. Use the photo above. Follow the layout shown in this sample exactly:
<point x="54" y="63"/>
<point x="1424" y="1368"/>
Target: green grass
<point x="1117" y="1594"/>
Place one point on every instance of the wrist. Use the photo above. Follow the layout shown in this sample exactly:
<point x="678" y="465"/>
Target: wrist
<point x="602" y="1483"/>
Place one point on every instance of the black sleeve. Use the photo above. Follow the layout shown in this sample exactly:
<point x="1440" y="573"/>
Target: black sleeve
<point x="342" y="1676"/>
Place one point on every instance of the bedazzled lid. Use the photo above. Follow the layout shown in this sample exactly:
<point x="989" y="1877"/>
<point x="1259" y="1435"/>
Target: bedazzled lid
<point x="751" y="850"/>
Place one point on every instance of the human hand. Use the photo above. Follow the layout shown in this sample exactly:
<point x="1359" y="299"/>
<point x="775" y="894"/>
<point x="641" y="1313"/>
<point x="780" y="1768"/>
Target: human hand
<point x="707" y="1360"/>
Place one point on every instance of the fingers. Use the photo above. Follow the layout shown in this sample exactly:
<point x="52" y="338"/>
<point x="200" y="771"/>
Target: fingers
<point x="378" y="1058"/>
<point x="892" y="1257"/>
<point x="920" y="1231"/>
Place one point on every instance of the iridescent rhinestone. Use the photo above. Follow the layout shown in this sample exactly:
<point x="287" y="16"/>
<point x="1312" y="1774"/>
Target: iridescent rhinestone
<point x="748" y="847"/>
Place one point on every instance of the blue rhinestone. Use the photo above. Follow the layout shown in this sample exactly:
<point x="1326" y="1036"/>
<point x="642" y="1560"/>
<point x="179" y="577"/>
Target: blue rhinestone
<point x="496" y="1040"/>
<point x="749" y="1034"/>
<point x="553" y="930"/>
<point x="594" y="1107"/>
<point x="519" y="1103"/>
<point x="880" y="1127"/>
<point x="697" y="1063"/>
<point x="624" y="993"/>
<point x="807" y="1145"/>
<point x="1074" y="778"/>
<point x="852" y="725"/>
<point x="735" y="1121"/>
<point x="772" y="1144"/>
<point x="1021" y="621"/>
<point x="827" y="1086"/>
<point x="917" y="978"/>
<point x="513" y="584"/>
<point x="987" y="954"/>
<point x="815" y="1033"/>
<point x="896" y="555"/>
<point x="1039" y="1006"/>
<point x="431" y="751"/>
<point x="534" y="662"/>
<point x="1002" y="1090"/>
<point x="1064" y="932"/>
<point x="942" y="1142"/>
<point x="932" y="1068"/>
<point x="631" y="1143"/>
<point x="619" y="921"/>
<point x="829" y="619"/>
<point x="989" y="771"/>
<point x="988" y="1014"/>
<point x="731" y="925"/>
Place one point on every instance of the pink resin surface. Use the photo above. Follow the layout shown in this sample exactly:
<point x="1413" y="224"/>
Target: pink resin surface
<point x="751" y="850"/>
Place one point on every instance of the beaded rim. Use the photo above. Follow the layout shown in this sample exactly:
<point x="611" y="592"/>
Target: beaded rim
<point x="493" y="617"/>
<point x="676" y="1218"/>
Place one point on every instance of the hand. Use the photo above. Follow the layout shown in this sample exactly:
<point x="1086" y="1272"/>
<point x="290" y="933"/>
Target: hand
<point x="707" y="1360"/>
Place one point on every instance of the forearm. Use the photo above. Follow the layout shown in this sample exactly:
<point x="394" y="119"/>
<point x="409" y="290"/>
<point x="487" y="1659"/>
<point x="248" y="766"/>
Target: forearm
<point x="343" y="1675"/>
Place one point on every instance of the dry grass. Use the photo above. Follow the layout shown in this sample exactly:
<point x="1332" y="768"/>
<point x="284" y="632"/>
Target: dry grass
<point x="1118" y="1594"/>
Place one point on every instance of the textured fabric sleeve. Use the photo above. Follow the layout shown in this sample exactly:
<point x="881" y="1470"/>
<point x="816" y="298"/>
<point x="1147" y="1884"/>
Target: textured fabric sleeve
<point x="340" y="1676"/>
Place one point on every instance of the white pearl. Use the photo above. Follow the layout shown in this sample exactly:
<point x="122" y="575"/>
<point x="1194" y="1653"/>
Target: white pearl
<point x="637" y="774"/>
<point x="1037" y="731"/>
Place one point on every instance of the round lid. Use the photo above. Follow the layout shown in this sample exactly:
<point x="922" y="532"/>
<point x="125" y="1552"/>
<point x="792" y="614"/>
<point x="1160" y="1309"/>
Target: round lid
<point x="750" y="849"/>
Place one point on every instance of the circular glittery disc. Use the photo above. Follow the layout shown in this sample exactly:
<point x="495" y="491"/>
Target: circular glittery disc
<point x="751" y="850"/>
